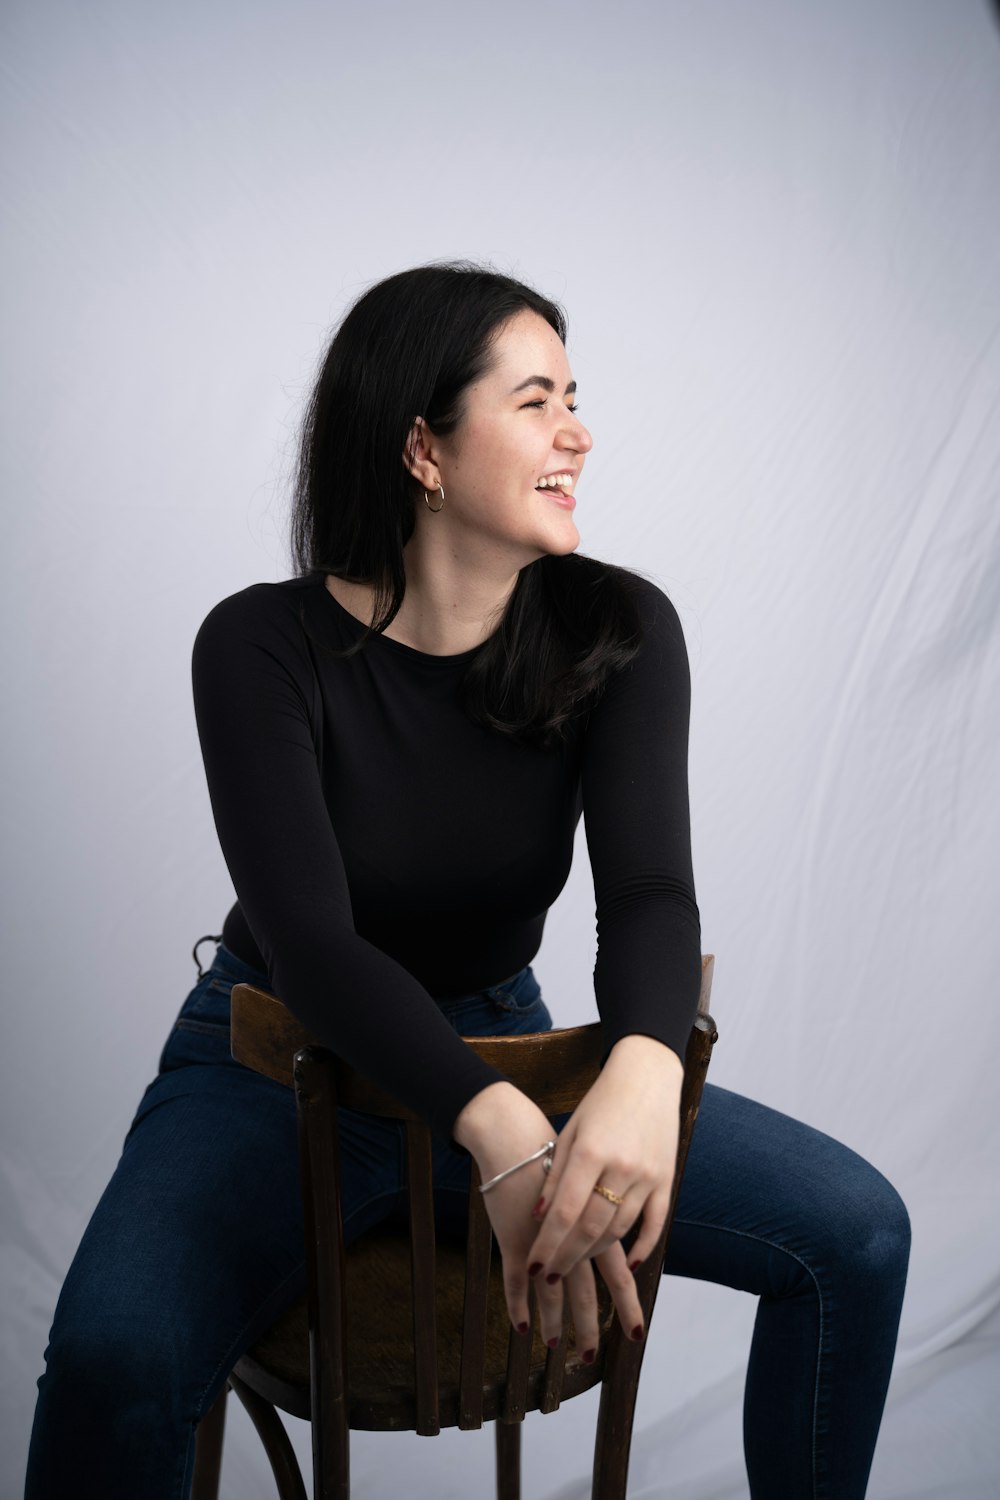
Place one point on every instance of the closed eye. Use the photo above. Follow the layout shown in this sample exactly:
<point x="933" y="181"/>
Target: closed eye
<point x="540" y="404"/>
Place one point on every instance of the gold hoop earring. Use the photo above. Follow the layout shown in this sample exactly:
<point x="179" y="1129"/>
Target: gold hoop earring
<point x="427" y="501"/>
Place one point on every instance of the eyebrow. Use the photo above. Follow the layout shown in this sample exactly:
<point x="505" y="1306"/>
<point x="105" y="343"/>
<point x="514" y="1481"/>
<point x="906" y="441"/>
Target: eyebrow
<point x="545" y="383"/>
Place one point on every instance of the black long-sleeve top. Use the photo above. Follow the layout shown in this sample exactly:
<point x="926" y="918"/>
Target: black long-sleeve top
<point x="386" y="849"/>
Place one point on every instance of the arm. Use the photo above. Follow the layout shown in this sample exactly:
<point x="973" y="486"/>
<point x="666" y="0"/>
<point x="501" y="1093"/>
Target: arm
<point x="635" y="793"/>
<point x="624" y="1133"/>
<point x="256" y="708"/>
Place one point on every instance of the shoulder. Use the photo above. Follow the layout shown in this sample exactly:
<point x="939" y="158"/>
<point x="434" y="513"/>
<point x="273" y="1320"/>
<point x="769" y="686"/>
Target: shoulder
<point x="642" y="606"/>
<point x="655" y="669"/>
<point x="264" y="611"/>
<point x="661" y="633"/>
<point x="260" y="604"/>
<point x="654" y="608"/>
<point x="261" y="629"/>
<point x="603" y="581"/>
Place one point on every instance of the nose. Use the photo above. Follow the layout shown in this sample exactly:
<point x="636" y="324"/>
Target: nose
<point x="574" y="435"/>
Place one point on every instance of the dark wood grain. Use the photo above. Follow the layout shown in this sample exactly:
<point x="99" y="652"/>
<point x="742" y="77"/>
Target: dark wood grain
<point x="475" y="1307"/>
<point x="422" y="1278"/>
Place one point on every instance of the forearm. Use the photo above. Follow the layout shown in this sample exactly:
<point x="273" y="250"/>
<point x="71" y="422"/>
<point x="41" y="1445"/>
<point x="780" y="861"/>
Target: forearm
<point x="494" y="1121"/>
<point x="646" y="1053"/>
<point x="488" y="1123"/>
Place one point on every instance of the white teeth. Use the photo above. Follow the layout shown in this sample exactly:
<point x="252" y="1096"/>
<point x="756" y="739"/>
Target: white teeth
<point x="556" y="482"/>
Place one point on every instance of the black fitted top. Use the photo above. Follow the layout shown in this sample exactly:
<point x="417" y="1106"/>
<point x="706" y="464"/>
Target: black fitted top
<point x="386" y="849"/>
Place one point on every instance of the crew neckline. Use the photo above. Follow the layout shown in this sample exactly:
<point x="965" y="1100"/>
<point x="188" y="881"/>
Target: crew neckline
<point x="359" y="628"/>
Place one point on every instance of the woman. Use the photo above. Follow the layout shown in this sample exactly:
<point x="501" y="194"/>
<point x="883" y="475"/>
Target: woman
<point x="399" y="743"/>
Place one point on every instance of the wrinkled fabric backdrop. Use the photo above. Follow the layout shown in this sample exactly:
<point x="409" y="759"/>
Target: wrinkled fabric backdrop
<point x="776" y="228"/>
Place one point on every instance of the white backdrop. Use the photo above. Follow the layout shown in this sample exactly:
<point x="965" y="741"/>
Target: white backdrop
<point x="777" y="231"/>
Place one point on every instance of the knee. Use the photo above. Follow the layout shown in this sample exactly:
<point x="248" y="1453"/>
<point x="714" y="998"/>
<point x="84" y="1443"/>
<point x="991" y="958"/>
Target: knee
<point x="895" y="1223"/>
<point x="107" y="1363"/>
<point x="113" y="1406"/>
<point x="872" y="1233"/>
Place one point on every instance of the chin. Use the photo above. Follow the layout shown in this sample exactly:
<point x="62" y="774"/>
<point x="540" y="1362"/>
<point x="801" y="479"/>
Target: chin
<point x="551" y="546"/>
<point x="566" y="544"/>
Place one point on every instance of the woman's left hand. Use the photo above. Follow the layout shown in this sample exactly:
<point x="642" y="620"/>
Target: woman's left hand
<point x="623" y="1137"/>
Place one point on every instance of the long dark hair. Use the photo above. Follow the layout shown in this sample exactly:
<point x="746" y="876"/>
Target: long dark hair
<point x="410" y="346"/>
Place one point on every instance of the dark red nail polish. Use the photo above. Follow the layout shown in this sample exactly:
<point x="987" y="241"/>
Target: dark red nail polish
<point x="552" y="1278"/>
<point x="588" y="1356"/>
<point x="522" y="1327"/>
<point x="538" y="1207"/>
<point x="534" y="1270"/>
<point x="552" y="1343"/>
<point x="635" y="1266"/>
<point x="637" y="1332"/>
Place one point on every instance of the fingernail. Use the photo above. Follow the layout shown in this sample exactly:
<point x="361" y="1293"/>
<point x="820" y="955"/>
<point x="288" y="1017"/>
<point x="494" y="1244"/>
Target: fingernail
<point x="552" y="1278"/>
<point x="522" y="1327"/>
<point x="534" y="1270"/>
<point x="635" y="1266"/>
<point x="588" y="1356"/>
<point x="552" y="1343"/>
<point x="538" y="1207"/>
<point x="637" y="1332"/>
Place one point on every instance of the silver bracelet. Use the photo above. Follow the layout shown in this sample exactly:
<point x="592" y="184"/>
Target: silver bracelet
<point x="543" y="1151"/>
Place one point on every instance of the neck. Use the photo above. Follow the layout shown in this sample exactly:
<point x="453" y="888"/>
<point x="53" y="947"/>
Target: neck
<point x="452" y="602"/>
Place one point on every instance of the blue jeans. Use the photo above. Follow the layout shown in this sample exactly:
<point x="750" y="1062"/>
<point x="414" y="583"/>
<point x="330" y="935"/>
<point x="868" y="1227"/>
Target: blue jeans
<point x="196" y="1246"/>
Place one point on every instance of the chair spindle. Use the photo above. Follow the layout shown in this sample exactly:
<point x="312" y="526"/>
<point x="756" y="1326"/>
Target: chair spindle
<point x="422" y="1257"/>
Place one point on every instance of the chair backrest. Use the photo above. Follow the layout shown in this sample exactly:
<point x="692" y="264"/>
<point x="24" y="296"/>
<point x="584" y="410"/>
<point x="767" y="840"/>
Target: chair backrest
<point x="554" y="1068"/>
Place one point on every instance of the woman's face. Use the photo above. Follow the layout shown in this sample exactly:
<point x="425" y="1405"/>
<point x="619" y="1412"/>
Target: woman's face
<point x="510" y="467"/>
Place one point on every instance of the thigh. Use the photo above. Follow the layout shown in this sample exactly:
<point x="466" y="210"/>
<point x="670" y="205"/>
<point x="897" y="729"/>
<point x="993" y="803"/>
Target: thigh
<point x="767" y="1200"/>
<point x="194" y="1246"/>
<point x="372" y="1175"/>
<point x="196" y="1242"/>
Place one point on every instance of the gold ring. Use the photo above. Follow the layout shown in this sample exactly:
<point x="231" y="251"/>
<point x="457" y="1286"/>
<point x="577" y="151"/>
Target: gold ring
<point x="607" y="1193"/>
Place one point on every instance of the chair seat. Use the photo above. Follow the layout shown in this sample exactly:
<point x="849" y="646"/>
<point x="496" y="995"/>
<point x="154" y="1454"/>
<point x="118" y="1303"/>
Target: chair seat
<point x="380" y="1341"/>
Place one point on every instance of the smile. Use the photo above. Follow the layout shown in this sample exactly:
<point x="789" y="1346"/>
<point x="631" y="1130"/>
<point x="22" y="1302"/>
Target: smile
<point x="562" y="482"/>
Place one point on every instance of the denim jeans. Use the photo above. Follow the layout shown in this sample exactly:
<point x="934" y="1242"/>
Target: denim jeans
<point x="197" y="1245"/>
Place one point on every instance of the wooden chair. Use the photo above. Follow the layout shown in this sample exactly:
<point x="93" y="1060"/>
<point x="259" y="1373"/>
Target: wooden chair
<point x="435" y="1347"/>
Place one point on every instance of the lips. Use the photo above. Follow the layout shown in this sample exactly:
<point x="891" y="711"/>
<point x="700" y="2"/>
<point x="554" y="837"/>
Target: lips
<point x="558" y="487"/>
<point x="558" y="498"/>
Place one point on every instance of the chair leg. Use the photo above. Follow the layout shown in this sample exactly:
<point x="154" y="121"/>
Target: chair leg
<point x="508" y="1440"/>
<point x="270" y="1430"/>
<point x="615" y="1417"/>
<point x="208" y="1451"/>
<point x="331" y="1445"/>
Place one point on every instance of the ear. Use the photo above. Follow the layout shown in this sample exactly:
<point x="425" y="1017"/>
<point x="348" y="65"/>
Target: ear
<point x="419" y="455"/>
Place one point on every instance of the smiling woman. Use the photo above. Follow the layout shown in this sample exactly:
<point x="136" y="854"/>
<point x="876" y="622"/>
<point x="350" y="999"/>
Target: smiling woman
<point x="399" y="744"/>
<point x="512" y="444"/>
<point x="432" y="500"/>
<point x="511" y="447"/>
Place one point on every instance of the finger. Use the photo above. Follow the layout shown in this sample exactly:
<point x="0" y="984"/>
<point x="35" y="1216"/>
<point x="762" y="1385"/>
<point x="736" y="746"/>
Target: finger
<point x="517" y="1291"/>
<point x="620" y="1225"/>
<point x="571" y="1192"/>
<point x="550" y="1309"/>
<point x="654" y="1216"/>
<point x="553" y="1176"/>
<point x="575" y="1222"/>
<point x="581" y="1289"/>
<point x="621" y="1284"/>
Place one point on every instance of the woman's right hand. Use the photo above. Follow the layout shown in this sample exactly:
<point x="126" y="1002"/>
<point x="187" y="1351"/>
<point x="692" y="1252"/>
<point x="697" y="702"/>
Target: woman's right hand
<point x="501" y="1126"/>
